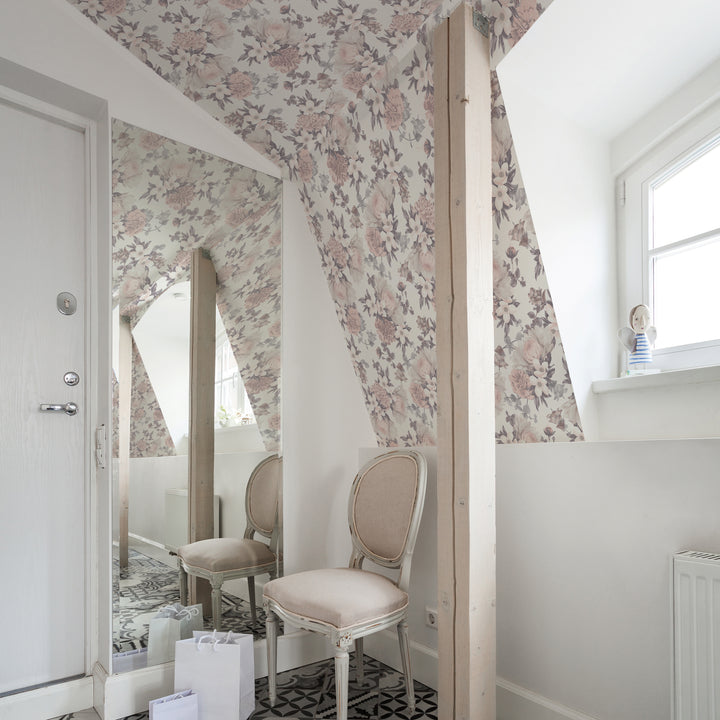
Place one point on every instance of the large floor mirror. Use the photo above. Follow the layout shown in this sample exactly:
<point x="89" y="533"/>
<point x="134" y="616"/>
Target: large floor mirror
<point x="170" y="200"/>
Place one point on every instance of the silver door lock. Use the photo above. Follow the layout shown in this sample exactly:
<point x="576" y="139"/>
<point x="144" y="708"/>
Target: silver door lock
<point x="66" y="303"/>
<point x="71" y="378"/>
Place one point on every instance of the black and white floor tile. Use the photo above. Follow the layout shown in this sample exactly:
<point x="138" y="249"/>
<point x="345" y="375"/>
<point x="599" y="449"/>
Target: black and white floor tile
<point x="150" y="583"/>
<point x="309" y="694"/>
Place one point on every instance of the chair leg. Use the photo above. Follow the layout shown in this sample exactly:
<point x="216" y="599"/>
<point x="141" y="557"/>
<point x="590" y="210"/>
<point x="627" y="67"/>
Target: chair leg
<point x="183" y="583"/>
<point x="360" y="669"/>
<point x="216" y="595"/>
<point x="342" y="671"/>
<point x="271" y="631"/>
<point x="402" y="630"/>
<point x="251" y="593"/>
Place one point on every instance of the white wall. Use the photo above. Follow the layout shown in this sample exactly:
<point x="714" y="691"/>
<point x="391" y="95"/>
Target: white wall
<point x="324" y="416"/>
<point x="669" y="405"/>
<point x="566" y="172"/>
<point x="585" y="532"/>
<point x="53" y="38"/>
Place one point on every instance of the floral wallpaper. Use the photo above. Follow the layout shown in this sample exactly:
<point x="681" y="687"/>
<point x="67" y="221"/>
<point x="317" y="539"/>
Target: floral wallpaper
<point x="149" y="435"/>
<point x="168" y="199"/>
<point x="339" y="94"/>
<point x="534" y="398"/>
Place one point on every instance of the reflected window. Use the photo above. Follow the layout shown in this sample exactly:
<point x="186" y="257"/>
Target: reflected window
<point x="232" y="405"/>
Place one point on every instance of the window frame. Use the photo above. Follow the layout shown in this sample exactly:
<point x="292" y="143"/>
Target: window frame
<point x="634" y="223"/>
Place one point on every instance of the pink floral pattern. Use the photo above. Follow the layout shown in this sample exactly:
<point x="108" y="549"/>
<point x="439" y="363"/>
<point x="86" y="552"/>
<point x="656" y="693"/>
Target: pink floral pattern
<point x="339" y="94"/>
<point x="149" y="435"/>
<point x="168" y="199"/>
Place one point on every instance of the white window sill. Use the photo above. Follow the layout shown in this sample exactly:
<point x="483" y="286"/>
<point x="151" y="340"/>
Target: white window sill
<point x="666" y="378"/>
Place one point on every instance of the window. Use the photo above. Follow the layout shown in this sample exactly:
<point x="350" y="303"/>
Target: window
<point x="669" y="226"/>
<point x="232" y="405"/>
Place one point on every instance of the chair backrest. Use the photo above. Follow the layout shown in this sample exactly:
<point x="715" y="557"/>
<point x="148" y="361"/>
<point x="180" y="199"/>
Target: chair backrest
<point x="261" y="497"/>
<point x="386" y="503"/>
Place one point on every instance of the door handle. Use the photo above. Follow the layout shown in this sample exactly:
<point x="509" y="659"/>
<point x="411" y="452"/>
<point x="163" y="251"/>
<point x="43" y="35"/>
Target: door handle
<point x="68" y="408"/>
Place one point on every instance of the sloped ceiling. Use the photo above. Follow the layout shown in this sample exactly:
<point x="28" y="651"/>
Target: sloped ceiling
<point x="339" y="94"/>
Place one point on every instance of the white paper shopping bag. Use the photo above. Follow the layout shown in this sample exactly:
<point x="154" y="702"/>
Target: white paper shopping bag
<point x="178" y="706"/>
<point x="220" y="668"/>
<point x="172" y="623"/>
<point x="130" y="660"/>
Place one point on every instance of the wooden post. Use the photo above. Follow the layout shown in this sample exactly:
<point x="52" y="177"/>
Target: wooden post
<point x="465" y="341"/>
<point x="201" y="430"/>
<point x="124" y="412"/>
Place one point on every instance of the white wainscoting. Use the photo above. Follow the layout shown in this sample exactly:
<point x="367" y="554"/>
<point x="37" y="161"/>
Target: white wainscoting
<point x="48" y="702"/>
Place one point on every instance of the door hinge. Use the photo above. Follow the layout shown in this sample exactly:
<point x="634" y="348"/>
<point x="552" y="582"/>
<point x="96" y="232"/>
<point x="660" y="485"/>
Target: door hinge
<point x="100" y="444"/>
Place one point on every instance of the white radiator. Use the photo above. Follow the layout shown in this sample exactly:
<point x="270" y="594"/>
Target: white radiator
<point x="696" y="588"/>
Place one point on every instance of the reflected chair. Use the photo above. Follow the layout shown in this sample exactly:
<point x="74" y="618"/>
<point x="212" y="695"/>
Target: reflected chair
<point x="221" y="559"/>
<point x="345" y="604"/>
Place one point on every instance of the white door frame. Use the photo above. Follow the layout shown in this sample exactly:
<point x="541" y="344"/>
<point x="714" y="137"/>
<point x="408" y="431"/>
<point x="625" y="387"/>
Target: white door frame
<point x="46" y="97"/>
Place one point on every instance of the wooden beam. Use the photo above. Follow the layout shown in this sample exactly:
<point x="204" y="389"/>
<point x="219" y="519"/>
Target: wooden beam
<point x="124" y="423"/>
<point x="465" y="340"/>
<point x="201" y="430"/>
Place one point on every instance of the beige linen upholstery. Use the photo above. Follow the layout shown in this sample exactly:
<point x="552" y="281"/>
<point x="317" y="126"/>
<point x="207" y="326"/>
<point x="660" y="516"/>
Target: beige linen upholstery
<point x="341" y="597"/>
<point x="383" y="505"/>
<point x="345" y="604"/>
<point x="225" y="554"/>
<point x="220" y="559"/>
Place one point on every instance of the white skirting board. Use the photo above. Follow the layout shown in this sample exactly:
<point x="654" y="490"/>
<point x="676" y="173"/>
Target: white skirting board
<point x="121" y="695"/>
<point x="48" y="702"/>
<point x="513" y="702"/>
<point x="517" y="703"/>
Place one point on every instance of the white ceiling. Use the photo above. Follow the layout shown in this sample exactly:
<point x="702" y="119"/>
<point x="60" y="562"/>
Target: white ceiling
<point x="606" y="63"/>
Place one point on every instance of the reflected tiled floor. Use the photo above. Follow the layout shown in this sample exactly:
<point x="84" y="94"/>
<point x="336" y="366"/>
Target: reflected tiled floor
<point x="149" y="583"/>
<point x="308" y="693"/>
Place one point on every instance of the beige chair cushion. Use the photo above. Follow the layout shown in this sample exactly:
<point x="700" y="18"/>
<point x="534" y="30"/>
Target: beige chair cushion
<point x="225" y="554"/>
<point x="341" y="597"/>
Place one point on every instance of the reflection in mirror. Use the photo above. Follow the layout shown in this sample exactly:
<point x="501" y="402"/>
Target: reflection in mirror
<point x="168" y="200"/>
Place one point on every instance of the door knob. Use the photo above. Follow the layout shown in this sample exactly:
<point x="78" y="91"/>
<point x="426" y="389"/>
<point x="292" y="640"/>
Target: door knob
<point x="68" y="408"/>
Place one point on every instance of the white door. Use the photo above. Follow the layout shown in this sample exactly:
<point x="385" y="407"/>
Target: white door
<point x="43" y="489"/>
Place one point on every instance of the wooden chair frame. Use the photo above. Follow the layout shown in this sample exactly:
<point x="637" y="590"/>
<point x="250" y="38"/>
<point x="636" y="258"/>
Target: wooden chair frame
<point x="343" y="638"/>
<point x="216" y="579"/>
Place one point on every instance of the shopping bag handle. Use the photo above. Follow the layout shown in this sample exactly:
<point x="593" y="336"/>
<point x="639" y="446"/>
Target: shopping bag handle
<point x="176" y="696"/>
<point x="215" y="640"/>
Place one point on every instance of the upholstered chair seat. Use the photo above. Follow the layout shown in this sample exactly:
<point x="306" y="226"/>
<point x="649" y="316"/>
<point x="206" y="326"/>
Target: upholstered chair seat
<point x="221" y="559"/>
<point x="341" y="597"/>
<point x="345" y="604"/>
<point x="225" y="554"/>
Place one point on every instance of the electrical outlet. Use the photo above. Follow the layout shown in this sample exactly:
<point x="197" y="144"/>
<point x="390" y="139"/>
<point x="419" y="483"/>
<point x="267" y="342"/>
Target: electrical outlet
<point x="431" y="617"/>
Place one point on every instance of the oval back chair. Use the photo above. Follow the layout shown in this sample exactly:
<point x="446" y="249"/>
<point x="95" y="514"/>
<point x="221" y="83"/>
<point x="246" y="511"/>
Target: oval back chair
<point x="221" y="559"/>
<point x="345" y="604"/>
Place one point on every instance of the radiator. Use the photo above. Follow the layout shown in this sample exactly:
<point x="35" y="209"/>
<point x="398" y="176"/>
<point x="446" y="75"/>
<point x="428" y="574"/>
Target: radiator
<point x="696" y="589"/>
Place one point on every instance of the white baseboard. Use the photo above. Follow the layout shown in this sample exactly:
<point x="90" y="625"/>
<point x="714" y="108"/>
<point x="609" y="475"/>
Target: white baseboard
<point x="128" y="693"/>
<point x="48" y="702"/>
<point x="384" y="646"/>
<point x="517" y="703"/>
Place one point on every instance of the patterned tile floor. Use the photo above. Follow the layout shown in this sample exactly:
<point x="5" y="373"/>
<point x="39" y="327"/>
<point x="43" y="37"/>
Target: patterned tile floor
<point x="149" y="583"/>
<point x="309" y="693"/>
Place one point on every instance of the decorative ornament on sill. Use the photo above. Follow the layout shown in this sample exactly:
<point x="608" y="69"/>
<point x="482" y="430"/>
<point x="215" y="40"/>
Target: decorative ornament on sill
<point x="639" y="339"/>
